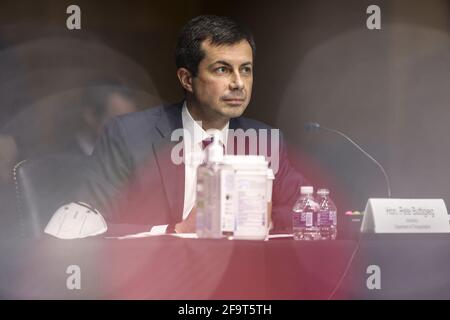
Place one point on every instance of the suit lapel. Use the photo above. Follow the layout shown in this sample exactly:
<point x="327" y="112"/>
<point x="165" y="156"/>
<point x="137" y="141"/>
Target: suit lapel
<point x="172" y="174"/>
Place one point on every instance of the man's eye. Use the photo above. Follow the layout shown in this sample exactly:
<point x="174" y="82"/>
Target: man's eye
<point x="221" y="70"/>
<point x="247" y="70"/>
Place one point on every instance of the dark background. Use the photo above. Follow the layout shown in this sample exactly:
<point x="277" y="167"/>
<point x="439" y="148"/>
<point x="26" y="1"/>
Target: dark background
<point x="316" y="61"/>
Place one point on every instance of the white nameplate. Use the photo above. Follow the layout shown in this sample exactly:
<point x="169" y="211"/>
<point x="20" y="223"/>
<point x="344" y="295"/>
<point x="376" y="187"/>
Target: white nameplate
<point x="405" y="216"/>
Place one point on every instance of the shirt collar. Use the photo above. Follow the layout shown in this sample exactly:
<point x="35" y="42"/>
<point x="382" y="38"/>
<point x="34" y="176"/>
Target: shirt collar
<point x="198" y="134"/>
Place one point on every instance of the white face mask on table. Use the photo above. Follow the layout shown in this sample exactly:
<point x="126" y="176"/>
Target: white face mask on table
<point x="74" y="221"/>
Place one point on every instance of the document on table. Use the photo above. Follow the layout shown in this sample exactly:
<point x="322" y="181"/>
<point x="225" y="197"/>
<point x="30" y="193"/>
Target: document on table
<point x="148" y="235"/>
<point x="186" y="236"/>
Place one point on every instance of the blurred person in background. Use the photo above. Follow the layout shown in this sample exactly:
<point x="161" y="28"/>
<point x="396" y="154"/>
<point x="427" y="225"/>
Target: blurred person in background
<point x="99" y="103"/>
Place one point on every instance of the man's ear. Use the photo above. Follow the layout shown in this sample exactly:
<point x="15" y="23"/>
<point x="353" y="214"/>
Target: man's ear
<point x="185" y="77"/>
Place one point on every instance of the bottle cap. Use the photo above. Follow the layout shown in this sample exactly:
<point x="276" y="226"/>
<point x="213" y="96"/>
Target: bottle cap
<point x="323" y="191"/>
<point x="306" y="189"/>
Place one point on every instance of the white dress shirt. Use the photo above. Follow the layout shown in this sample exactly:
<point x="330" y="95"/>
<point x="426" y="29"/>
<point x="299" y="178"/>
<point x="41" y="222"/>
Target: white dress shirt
<point x="194" y="154"/>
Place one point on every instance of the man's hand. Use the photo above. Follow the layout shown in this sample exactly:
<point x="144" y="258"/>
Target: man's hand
<point x="188" y="225"/>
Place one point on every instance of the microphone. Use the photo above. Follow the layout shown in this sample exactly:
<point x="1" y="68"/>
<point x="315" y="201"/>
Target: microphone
<point x="316" y="127"/>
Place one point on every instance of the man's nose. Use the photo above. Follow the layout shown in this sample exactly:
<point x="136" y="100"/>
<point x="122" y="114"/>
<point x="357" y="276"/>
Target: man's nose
<point x="236" y="82"/>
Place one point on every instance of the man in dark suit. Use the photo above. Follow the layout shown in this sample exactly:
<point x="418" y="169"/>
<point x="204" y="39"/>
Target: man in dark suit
<point x="135" y="177"/>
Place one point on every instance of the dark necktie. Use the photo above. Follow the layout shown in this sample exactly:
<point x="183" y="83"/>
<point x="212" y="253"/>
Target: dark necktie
<point x="206" y="142"/>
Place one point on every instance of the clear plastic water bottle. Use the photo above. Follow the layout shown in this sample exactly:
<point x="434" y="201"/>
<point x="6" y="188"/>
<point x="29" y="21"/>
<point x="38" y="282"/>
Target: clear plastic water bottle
<point x="327" y="215"/>
<point x="304" y="216"/>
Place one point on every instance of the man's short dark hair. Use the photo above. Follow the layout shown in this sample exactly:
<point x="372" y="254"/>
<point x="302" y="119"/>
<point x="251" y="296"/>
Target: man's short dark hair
<point x="218" y="30"/>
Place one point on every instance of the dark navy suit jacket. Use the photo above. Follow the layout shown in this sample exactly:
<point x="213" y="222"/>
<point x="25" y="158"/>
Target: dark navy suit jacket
<point x="132" y="179"/>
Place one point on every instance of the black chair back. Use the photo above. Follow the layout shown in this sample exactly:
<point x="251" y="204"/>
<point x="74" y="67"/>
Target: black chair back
<point x="43" y="185"/>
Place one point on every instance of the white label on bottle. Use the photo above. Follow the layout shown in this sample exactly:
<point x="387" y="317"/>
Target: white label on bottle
<point x="309" y="219"/>
<point x="251" y="219"/>
<point x="333" y="218"/>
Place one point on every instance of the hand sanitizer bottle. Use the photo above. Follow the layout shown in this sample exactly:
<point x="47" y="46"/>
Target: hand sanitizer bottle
<point x="210" y="198"/>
